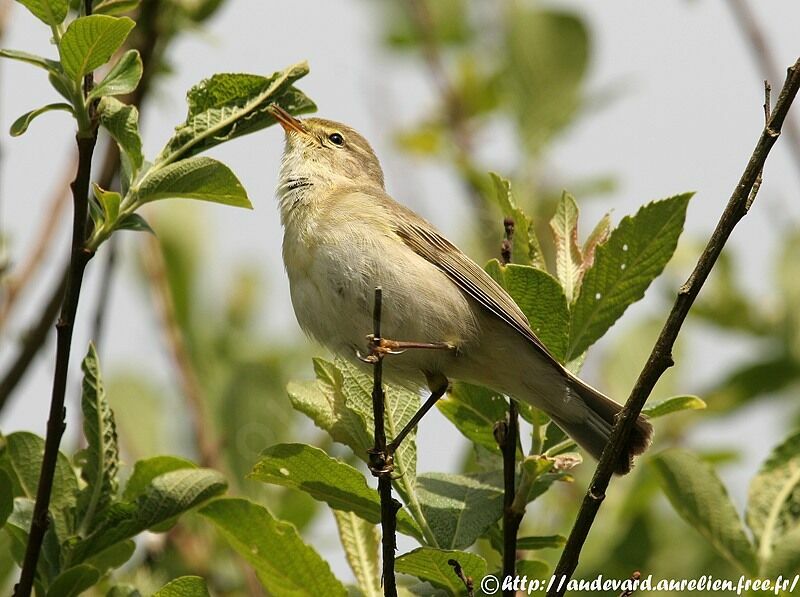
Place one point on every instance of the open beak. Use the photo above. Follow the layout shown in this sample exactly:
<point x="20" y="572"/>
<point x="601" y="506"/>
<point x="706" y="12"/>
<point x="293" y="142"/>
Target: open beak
<point x="286" y="120"/>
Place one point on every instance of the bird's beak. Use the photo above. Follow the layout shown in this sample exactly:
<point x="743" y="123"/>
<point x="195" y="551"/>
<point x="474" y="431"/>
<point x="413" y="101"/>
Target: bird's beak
<point x="286" y="120"/>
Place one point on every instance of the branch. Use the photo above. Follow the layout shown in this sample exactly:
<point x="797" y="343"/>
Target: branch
<point x="507" y="434"/>
<point x="762" y="53"/>
<point x="380" y="461"/>
<point x="661" y="356"/>
<point x="79" y="258"/>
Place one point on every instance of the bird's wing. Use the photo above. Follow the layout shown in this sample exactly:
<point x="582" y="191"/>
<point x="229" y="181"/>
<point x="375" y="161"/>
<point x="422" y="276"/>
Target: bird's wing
<point x="424" y="240"/>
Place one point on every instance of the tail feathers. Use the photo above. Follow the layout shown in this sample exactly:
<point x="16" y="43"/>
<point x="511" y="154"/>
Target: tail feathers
<point x="593" y="430"/>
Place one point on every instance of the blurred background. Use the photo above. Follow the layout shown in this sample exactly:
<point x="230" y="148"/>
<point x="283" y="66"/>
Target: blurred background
<point x="619" y="103"/>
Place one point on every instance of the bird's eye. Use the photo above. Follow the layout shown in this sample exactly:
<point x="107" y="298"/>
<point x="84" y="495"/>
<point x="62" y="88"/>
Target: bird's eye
<point x="336" y="139"/>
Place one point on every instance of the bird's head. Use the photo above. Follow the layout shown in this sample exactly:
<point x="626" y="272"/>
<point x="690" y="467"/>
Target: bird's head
<point x="323" y="153"/>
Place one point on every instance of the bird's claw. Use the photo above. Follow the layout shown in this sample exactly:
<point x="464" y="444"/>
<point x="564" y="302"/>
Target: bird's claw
<point x="381" y="462"/>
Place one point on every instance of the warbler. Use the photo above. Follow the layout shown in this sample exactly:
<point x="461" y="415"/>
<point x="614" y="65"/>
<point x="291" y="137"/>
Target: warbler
<point x="344" y="236"/>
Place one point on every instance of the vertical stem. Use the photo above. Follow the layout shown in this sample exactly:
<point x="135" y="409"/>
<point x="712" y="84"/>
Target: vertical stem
<point x="511" y="518"/>
<point x="56" y="422"/>
<point x="79" y="257"/>
<point x="380" y="463"/>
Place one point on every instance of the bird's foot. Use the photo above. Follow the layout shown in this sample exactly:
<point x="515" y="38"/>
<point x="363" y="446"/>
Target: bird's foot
<point x="381" y="462"/>
<point x="380" y="347"/>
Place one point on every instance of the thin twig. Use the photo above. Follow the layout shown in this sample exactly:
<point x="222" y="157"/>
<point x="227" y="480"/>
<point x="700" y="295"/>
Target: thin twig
<point x="507" y="435"/>
<point x="767" y="64"/>
<point x="156" y="270"/>
<point x="661" y="356"/>
<point x="56" y="423"/>
<point x="381" y="463"/>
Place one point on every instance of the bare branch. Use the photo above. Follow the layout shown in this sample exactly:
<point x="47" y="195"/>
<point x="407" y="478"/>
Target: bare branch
<point x="661" y="356"/>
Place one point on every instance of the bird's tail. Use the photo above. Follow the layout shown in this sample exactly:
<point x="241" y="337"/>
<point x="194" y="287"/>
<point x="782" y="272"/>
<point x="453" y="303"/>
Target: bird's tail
<point x="592" y="430"/>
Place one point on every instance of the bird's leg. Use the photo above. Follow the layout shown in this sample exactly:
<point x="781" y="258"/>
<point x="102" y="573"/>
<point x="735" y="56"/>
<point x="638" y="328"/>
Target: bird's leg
<point x="438" y="385"/>
<point x="379" y="347"/>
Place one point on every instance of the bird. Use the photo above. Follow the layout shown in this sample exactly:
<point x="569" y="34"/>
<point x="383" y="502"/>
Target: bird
<point x="344" y="236"/>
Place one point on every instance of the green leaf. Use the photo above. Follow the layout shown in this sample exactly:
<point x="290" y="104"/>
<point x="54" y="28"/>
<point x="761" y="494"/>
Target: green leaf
<point x="673" y="405"/>
<point x="74" y="581"/>
<point x="568" y="255"/>
<point x="123" y="590"/>
<point x="543" y="542"/>
<point x="283" y="562"/>
<point x="459" y="508"/>
<point x="541" y="299"/>
<point x="785" y="557"/>
<point x="446" y="23"/>
<point x="51" y="12"/>
<point x="18" y="526"/>
<point x="227" y="106"/>
<point x="144" y="471"/>
<point x="474" y="410"/>
<point x="112" y="557"/>
<point x="6" y="497"/>
<point x="89" y="42"/>
<point x="525" y="248"/>
<point x="22" y="461"/>
<point x="114" y="7"/>
<point x="122" y="78"/>
<point x="122" y="123"/>
<point x="135" y="222"/>
<point x="361" y="541"/>
<point x="166" y="497"/>
<point x="433" y="566"/>
<point x="547" y="53"/>
<point x="194" y="178"/>
<point x="624" y="267"/>
<point x="109" y="202"/>
<point x="21" y="124"/>
<point x="698" y="495"/>
<point x="49" y="65"/>
<point x="773" y="505"/>
<point x="184" y="586"/>
<point x="332" y="481"/>
<point x="100" y="459"/>
<point x="597" y="237"/>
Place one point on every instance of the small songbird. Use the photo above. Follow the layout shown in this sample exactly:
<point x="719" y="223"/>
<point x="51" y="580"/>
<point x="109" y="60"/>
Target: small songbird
<point x="344" y="236"/>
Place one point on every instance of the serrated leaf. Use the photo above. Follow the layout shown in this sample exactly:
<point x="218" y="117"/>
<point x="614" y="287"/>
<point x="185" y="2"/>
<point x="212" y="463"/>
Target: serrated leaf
<point x="773" y="505"/>
<point x="114" y="7"/>
<point x="327" y="479"/>
<point x="785" y="557"/>
<point x="432" y="565"/>
<point x="673" y="405"/>
<point x="541" y="299"/>
<point x="194" y="178"/>
<point x="525" y="247"/>
<point x="100" y="459"/>
<point x="122" y="123"/>
<point x="285" y="565"/>
<point x="32" y="59"/>
<point x="112" y="557"/>
<point x="144" y="471"/>
<point x="51" y="12"/>
<point x="597" y="237"/>
<point x="459" y="508"/>
<point x="474" y="410"/>
<point x="698" y="495"/>
<point x="123" y="77"/>
<point x="184" y="586"/>
<point x="634" y="255"/>
<point x="89" y="42"/>
<point x="541" y="542"/>
<point x="568" y="255"/>
<point x="361" y="542"/>
<point x="228" y="105"/>
<point x="21" y="124"/>
<point x="22" y="461"/>
<point x="74" y="581"/>
<point x="165" y="497"/>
